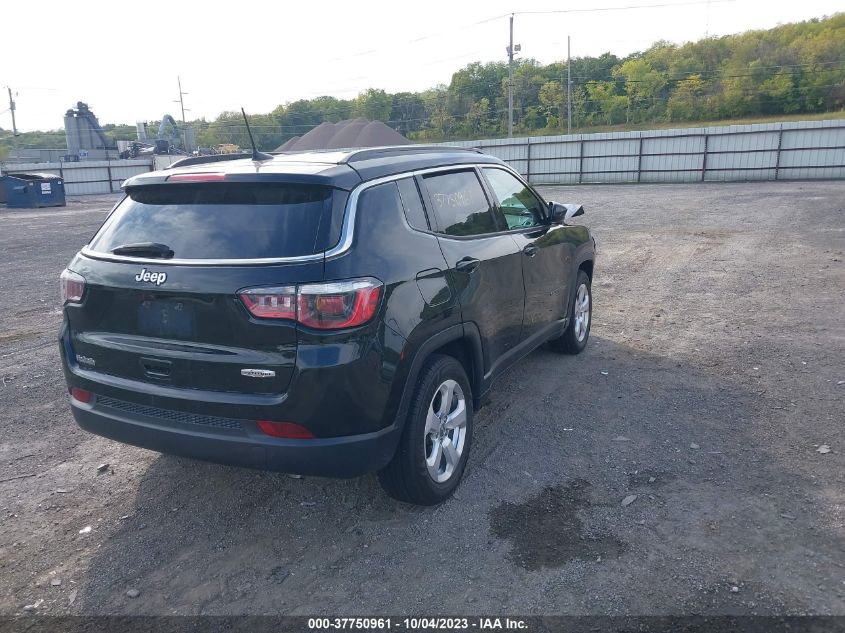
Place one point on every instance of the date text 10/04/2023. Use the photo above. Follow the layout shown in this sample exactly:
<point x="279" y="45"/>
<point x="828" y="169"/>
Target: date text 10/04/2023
<point x="417" y="624"/>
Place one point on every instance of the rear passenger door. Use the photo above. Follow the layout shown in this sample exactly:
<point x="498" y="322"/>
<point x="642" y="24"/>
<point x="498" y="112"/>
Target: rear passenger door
<point x="484" y="262"/>
<point x="546" y="251"/>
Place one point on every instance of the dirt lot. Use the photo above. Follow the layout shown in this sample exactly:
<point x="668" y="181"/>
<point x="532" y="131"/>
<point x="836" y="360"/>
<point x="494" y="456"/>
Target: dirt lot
<point x="714" y="373"/>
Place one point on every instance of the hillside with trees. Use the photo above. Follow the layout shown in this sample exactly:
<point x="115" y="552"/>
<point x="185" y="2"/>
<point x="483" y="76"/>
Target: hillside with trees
<point x="793" y="69"/>
<point x="788" y="70"/>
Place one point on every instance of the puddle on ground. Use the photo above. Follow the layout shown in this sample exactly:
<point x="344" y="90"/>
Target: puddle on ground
<point x="545" y="530"/>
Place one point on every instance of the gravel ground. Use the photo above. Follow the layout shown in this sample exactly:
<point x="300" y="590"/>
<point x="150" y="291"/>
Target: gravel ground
<point x="714" y="373"/>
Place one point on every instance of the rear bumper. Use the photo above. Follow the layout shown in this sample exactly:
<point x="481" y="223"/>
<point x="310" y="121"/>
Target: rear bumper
<point x="220" y="426"/>
<point x="348" y="456"/>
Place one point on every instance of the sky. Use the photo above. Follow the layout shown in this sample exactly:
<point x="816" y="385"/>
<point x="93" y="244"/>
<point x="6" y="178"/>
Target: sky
<point x="123" y="58"/>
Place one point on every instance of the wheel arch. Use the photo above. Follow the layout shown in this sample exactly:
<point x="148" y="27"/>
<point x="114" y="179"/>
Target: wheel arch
<point x="460" y="341"/>
<point x="587" y="267"/>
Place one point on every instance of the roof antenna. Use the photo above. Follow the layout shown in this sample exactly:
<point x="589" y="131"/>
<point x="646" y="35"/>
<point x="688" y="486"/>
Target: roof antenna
<point x="256" y="155"/>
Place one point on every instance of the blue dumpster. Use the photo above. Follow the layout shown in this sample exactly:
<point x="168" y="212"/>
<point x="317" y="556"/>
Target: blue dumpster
<point x="32" y="190"/>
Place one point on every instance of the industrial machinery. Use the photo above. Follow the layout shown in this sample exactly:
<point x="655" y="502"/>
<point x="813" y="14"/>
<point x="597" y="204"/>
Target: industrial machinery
<point x="85" y="137"/>
<point x="171" y="139"/>
<point x="83" y="132"/>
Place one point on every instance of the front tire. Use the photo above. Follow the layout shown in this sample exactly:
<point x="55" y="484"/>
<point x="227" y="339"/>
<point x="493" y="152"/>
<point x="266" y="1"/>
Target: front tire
<point x="434" y="447"/>
<point x="574" y="339"/>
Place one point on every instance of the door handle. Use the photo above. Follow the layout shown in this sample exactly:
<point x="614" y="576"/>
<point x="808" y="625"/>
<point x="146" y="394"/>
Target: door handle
<point x="467" y="264"/>
<point x="530" y="250"/>
<point x="155" y="368"/>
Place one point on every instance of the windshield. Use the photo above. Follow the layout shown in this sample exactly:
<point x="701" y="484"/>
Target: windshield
<point x="225" y="220"/>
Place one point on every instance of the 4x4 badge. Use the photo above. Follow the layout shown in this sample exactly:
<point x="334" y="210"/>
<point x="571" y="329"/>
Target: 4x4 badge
<point x="151" y="277"/>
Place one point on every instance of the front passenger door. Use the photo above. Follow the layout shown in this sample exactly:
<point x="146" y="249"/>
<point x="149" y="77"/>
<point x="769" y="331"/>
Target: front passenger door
<point x="546" y="252"/>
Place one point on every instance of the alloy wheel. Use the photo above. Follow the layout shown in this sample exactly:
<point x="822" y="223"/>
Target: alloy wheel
<point x="582" y="312"/>
<point x="445" y="431"/>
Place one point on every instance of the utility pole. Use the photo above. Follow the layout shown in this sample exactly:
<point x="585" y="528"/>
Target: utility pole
<point x="14" y="125"/>
<point x="181" y="102"/>
<point x="511" y="50"/>
<point x="510" y="83"/>
<point x="568" y="88"/>
<point x="181" y="94"/>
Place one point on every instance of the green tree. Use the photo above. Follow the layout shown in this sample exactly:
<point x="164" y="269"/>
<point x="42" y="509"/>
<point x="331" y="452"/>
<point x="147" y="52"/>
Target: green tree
<point x="606" y="106"/>
<point x="553" y="101"/>
<point x="478" y="118"/>
<point x="686" y="102"/>
<point x="374" y="104"/>
<point x="229" y="127"/>
<point x="407" y="113"/>
<point x="295" y="119"/>
<point x="474" y="82"/>
<point x="643" y="85"/>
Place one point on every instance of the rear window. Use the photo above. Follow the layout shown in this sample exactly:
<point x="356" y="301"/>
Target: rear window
<point x="227" y="220"/>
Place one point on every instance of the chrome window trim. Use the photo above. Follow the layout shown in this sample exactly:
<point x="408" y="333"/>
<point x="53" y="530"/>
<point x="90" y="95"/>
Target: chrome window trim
<point x="347" y="233"/>
<point x="86" y="252"/>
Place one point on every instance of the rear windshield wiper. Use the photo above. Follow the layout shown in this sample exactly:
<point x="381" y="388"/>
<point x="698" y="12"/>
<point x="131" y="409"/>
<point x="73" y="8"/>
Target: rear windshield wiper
<point x="144" y="249"/>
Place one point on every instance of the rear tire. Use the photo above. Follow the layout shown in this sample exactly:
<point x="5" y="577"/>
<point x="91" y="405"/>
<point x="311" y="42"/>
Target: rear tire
<point x="574" y="339"/>
<point x="434" y="447"/>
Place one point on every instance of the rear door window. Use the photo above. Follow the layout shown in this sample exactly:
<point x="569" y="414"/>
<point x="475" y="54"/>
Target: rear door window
<point x="414" y="210"/>
<point x="460" y="204"/>
<point x="227" y="220"/>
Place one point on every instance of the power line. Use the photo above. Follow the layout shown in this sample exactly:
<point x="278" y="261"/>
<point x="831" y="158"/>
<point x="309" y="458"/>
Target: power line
<point x="493" y="18"/>
<point x="625" y="7"/>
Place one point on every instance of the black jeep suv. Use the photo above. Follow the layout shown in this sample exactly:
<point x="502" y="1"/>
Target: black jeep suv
<point x="322" y="314"/>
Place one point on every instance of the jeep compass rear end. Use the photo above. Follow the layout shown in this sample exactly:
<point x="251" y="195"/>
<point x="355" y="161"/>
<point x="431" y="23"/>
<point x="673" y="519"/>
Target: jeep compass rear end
<point x="286" y="314"/>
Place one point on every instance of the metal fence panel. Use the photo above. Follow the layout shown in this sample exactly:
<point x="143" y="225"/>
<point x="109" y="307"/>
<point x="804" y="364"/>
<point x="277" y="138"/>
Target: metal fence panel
<point x="611" y="147"/>
<point x="769" y="151"/>
<point x="762" y="151"/>
<point x="555" y="169"/>
<point x="667" y="163"/>
<point x="686" y="144"/>
<point x="609" y="169"/>
<point x="90" y="177"/>
<point x="44" y="168"/>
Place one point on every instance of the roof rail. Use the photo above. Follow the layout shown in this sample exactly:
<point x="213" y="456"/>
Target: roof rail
<point x="201" y="160"/>
<point x="378" y="152"/>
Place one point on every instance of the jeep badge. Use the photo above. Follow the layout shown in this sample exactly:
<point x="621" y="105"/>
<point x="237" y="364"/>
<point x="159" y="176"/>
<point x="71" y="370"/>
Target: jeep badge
<point x="151" y="277"/>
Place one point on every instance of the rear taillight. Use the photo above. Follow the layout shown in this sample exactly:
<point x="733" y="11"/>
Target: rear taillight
<point x="81" y="395"/>
<point x="271" y="303"/>
<point x="72" y="285"/>
<point x="328" y="306"/>
<point x="339" y="304"/>
<point x="285" y="429"/>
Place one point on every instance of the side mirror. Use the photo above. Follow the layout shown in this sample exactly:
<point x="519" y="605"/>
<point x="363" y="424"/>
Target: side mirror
<point x="560" y="213"/>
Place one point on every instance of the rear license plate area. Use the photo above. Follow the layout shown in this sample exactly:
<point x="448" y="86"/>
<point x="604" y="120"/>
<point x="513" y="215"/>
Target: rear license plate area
<point x="166" y="318"/>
